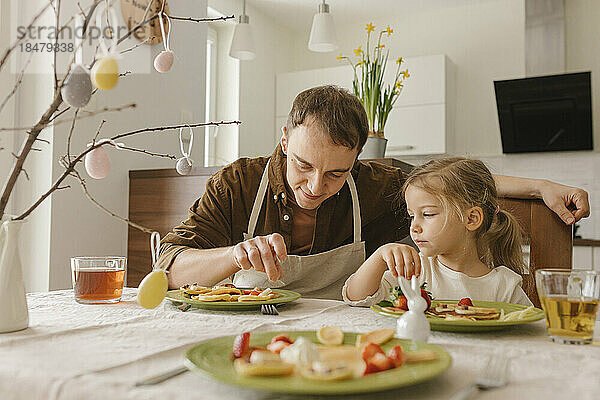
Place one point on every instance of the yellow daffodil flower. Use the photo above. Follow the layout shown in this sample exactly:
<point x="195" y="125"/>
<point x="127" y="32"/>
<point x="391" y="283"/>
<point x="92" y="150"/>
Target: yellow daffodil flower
<point x="381" y="46"/>
<point x="399" y="60"/>
<point x="399" y="84"/>
<point x="405" y="74"/>
<point x="389" y="31"/>
<point x="340" y="56"/>
<point x="370" y="27"/>
<point x="358" y="51"/>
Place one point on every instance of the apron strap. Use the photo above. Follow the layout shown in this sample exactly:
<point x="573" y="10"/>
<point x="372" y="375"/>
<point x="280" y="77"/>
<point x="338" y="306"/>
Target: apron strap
<point x="355" y="208"/>
<point x="258" y="200"/>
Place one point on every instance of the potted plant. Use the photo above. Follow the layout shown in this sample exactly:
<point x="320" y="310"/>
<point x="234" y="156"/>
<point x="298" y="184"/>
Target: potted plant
<point x="377" y="96"/>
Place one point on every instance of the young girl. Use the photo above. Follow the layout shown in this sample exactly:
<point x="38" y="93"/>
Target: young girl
<point x="469" y="247"/>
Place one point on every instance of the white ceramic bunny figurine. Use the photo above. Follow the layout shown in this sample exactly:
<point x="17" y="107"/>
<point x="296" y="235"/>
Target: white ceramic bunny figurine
<point x="413" y="324"/>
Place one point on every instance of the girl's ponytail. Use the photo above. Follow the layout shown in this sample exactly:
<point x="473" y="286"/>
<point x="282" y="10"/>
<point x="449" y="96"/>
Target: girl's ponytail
<point x="504" y="242"/>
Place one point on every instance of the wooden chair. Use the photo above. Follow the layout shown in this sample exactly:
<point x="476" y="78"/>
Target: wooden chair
<point x="159" y="199"/>
<point x="550" y="240"/>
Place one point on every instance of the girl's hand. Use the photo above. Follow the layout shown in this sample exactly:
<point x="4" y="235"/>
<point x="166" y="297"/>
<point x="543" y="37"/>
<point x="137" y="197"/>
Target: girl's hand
<point x="400" y="259"/>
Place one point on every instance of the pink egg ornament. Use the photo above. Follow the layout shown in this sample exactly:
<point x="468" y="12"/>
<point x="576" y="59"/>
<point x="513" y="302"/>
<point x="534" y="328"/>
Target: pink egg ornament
<point x="164" y="61"/>
<point x="97" y="163"/>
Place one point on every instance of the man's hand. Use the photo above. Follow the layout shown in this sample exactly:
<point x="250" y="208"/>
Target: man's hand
<point x="263" y="253"/>
<point x="570" y="203"/>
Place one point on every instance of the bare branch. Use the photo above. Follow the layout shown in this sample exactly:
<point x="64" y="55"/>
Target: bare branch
<point x="106" y="210"/>
<point x="55" y="53"/>
<point x="144" y="151"/>
<point x="98" y="131"/>
<point x="201" y="19"/>
<point x="25" y="172"/>
<point x="71" y="166"/>
<point x="87" y="115"/>
<point x="20" y="39"/>
<point x="63" y="187"/>
<point x="17" y="83"/>
<point x="42" y="140"/>
<point x="71" y="133"/>
<point x="149" y="38"/>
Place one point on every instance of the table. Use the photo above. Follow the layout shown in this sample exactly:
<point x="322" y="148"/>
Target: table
<point x="76" y="351"/>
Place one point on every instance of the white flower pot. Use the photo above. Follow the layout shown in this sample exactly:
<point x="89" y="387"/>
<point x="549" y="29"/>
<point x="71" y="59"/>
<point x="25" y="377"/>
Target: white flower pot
<point x="13" y="302"/>
<point x="374" y="148"/>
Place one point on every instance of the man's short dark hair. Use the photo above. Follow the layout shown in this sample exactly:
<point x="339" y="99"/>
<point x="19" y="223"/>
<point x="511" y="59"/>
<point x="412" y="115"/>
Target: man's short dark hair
<point x="335" y="111"/>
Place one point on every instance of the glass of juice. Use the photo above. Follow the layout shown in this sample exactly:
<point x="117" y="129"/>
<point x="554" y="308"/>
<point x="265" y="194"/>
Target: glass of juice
<point x="570" y="299"/>
<point x="98" y="280"/>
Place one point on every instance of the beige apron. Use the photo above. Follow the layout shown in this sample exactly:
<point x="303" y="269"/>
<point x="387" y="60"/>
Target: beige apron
<point x="316" y="275"/>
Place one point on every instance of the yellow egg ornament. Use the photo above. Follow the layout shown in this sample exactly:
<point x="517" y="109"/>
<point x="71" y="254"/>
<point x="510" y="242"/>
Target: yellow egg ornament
<point x="153" y="289"/>
<point x="154" y="286"/>
<point x="105" y="73"/>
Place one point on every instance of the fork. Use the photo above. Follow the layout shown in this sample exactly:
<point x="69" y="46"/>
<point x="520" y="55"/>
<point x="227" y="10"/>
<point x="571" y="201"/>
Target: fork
<point x="269" y="309"/>
<point x="494" y="376"/>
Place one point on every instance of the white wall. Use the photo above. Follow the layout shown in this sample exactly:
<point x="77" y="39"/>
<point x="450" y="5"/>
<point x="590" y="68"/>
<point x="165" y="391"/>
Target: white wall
<point x="485" y="41"/>
<point x="274" y="53"/>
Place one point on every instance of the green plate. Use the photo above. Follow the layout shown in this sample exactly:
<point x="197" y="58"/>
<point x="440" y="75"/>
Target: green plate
<point x="286" y="296"/>
<point x="441" y="324"/>
<point x="213" y="358"/>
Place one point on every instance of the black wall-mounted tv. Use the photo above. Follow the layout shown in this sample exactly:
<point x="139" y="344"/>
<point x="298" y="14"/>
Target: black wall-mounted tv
<point x="546" y="113"/>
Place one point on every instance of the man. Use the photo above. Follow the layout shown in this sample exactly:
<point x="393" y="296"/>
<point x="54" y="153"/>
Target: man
<point x="306" y="217"/>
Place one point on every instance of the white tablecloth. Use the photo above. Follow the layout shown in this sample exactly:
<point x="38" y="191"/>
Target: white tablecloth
<point x="76" y="351"/>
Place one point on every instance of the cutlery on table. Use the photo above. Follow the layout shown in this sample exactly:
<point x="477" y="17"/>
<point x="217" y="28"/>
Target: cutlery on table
<point x="153" y="380"/>
<point x="269" y="309"/>
<point x="494" y="376"/>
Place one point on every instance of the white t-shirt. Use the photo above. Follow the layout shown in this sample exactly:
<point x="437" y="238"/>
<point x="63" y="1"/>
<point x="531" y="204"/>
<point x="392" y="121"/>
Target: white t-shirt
<point x="500" y="284"/>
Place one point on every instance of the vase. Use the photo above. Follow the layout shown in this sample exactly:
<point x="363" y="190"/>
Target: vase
<point x="373" y="148"/>
<point x="13" y="302"/>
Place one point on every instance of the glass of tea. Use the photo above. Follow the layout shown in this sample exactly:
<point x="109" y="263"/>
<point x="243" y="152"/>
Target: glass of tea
<point x="570" y="300"/>
<point x="98" y="280"/>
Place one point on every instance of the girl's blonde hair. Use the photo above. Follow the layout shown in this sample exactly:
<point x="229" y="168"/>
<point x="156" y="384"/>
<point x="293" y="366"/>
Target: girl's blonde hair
<point x="461" y="183"/>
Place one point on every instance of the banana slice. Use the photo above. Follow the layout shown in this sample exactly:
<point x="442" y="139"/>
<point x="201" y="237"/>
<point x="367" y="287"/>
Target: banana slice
<point x="323" y="371"/>
<point x="379" y="336"/>
<point x="330" y="335"/>
<point x="275" y="368"/>
<point x="421" y="356"/>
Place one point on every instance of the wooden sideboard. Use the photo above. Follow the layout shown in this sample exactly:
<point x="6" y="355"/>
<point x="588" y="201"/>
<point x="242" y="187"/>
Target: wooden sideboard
<point x="160" y="199"/>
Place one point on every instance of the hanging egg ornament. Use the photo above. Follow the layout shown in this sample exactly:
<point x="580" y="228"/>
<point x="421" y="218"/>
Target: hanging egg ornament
<point x="97" y="163"/>
<point x="105" y="73"/>
<point x="164" y="61"/>
<point x="77" y="89"/>
<point x="153" y="289"/>
<point x="184" y="166"/>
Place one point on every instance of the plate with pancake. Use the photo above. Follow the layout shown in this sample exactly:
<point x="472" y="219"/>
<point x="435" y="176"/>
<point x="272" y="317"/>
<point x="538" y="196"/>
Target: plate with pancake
<point x="229" y="298"/>
<point x="447" y="315"/>
<point x="214" y="359"/>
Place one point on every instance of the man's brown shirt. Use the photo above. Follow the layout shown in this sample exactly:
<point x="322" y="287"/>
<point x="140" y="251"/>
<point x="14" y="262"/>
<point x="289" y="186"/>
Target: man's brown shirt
<point x="220" y="217"/>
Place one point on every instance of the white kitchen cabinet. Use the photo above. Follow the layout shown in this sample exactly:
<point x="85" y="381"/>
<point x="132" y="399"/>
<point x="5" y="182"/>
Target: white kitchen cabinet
<point x="422" y="120"/>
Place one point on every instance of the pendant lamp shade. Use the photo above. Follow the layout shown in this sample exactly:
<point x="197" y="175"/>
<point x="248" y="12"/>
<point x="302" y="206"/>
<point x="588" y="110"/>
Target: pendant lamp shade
<point x="242" y="43"/>
<point x="322" y="34"/>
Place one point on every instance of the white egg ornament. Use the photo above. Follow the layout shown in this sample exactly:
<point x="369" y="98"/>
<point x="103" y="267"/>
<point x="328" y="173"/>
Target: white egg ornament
<point x="153" y="289"/>
<point x="105" y="73"/>
<point x="184" y="166"/>
<point x="97" y="163"/>
<point x="164" y="61"/>
<point x="77" y="89"/>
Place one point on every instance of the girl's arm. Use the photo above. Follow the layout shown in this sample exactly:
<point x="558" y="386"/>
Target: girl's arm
<point x="397" y="258"/>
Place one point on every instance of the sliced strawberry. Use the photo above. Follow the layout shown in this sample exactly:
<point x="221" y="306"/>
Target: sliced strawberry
<point x="370" y="350"/>
<point x="283" y="338"/>
<point x="277" y="346"/>
<point x="401" y="303"/>
<point x="397" y="355"/>
<point x="465" y="302"/>
<point x="379" y="362"/>
<point x="255" y="292"/>
<point x="241" y="345"/>
<point x="426" y="295"/>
